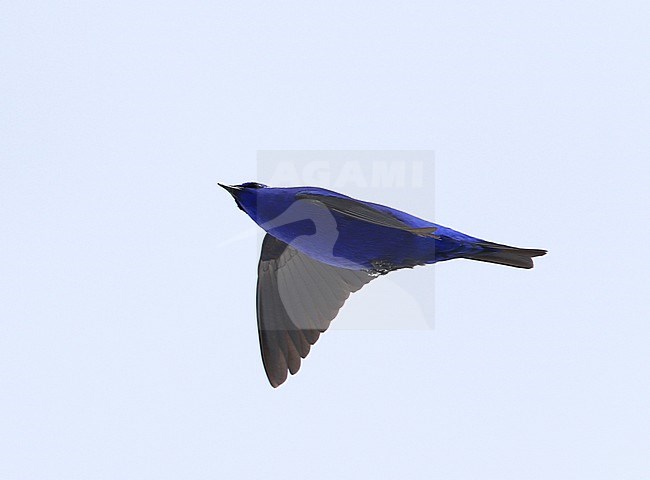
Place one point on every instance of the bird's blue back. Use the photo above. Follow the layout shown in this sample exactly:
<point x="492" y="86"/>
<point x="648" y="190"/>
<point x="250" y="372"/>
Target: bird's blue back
<point x="341" y="240"/>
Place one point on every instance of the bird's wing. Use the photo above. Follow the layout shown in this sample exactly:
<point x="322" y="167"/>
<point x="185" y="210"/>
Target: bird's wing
<point x="364" y="212"/>
<point x="297" y="298"/>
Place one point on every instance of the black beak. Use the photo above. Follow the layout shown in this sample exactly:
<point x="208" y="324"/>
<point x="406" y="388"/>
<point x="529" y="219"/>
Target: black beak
<point x="232" y="189"/>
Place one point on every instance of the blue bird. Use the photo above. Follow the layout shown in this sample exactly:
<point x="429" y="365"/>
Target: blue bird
<point x="321" y="245"/>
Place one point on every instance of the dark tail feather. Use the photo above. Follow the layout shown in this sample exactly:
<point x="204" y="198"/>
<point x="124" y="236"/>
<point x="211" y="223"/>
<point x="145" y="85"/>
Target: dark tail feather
<point x="506" y="255"/>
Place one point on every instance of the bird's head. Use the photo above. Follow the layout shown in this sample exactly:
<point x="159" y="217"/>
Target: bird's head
<point x="245" y="195"/>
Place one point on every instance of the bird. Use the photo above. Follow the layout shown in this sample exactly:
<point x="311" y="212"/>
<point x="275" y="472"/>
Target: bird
<point x="320" y="246"/>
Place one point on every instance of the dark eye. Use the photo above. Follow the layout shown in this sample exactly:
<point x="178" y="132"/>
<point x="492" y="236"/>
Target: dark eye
<point x="253" y="185"/>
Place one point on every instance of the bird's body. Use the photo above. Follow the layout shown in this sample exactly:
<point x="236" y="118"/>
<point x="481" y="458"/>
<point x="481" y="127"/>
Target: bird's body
<point x="342" y="240"/>
<point x="321" y="245"/>
<point x="346" y="242"/>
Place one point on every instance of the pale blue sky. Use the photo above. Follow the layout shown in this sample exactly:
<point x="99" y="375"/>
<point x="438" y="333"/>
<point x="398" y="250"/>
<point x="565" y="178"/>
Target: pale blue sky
<point x="128" y="345"/>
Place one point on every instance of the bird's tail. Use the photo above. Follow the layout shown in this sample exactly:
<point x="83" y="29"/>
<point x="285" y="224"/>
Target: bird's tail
<point x="505" y="255"/>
